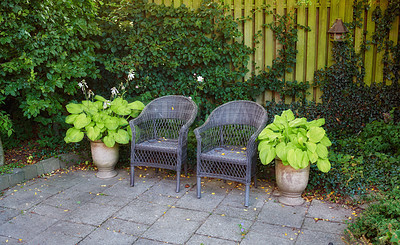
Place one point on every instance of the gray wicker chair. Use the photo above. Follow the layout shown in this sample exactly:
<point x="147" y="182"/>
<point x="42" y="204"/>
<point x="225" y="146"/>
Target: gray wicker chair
<point x="159" y="135"/>
<point x="226" y="143"/>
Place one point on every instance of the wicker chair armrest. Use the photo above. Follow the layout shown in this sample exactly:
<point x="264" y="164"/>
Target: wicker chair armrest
<point x="140" y="123"/>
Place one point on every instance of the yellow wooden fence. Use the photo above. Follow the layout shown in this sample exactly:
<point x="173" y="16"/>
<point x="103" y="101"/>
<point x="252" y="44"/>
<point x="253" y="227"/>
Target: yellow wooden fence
<point x="314" y="47"/>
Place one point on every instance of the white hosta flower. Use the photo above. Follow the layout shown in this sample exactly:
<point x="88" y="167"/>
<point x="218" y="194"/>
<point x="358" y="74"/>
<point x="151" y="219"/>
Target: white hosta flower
<point x="200" y="79"/>
<point x="90" y="93"/>
<point x="136" y="86"/>
<point x="106" y="104"/>
<point x="131" y="75"/>
<point x="114" y="91"/>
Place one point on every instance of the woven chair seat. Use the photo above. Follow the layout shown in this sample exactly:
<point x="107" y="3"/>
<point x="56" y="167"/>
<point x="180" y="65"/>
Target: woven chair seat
<point x="159" y="135"/>
<point x="233" y="154"/>
<point x="159" y="144"/>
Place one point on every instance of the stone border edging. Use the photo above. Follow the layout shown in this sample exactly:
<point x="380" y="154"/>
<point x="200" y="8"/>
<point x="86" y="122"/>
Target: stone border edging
<point x="42" y="167"/>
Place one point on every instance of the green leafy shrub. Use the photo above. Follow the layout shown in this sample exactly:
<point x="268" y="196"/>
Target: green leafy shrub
<point x="170" y="48"/>
<point x="380" y="216"/>
<point x="44" y="46"/>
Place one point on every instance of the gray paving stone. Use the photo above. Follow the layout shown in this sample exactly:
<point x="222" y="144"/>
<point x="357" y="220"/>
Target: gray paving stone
<point x="7" y="240"/>
<point x="123" y="226"/>
<point x="50" y="211"/>
<point x="324" y="226"/>
<point x="166" y="187"/>
<point x="176" y="226"/>
<point x="123" y="189"/>
<point x="276" y="213"/>
<point x="248" y="213"/>
<point x="223" y="227"/>
<point x="92" y="213"/>
<point x="257" y="198"/>
<point x="26" y="226"/>
<point x="107" y="237"/>
<point x="143" y="241"/>
<point x="7" y="213"/>
<point x="109" y="200"/>
<point x="201" y="239"/>
<point x="282" y="232"/>
<point x="332" y="212"/>
<point x="208" y="201"/>
<point x="23" y="199"/>
<point x="158" y="199"/>
<point x="63" y="233"/>
<point x="254" y="238"/>
<point x="142" y="212"/>
<point x="307" y="237"/>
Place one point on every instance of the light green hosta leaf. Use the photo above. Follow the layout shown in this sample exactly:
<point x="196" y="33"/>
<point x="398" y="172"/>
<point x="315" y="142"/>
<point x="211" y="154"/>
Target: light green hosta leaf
<point x="93" y="133"/>
<point x="120" y="107"/>
<point x="74" y="108"/>
<point x="312" y="156"/>
<point x="109" y="141"/>
<point x="134" y="113"/>
<point x="273" y="127"/>
<point x="268" y="134"/>
<point x="122" y="136"/>
<point x="123" y="122"/>
<point x="71" y="118"/>
<point x="137" y="105"/>
<point x="322" y="151"/>
<point x="316" y="123"/>
<point x="263" y="144"/>
<point x="129" y="130"/>
<point x="305" y="161"/>
<point x="294" y="157"/>
<point x="98" y="105"/>
<point x="315" y="134"/>
<point x="267" y="154"/>
<point x="91" y="124"/>
<point x="281" y="151"/>
<point x="288" y="114"/>
<point x="324" y="165"/>
<point x="278" y="120"/>
<point x="81" y="121"/>
<point x="326" y="142"/>
<point x="298" y="122"/>
<point x="111" y="123"/>
<point x="312" y="147"/>
<point x="301" y="139"/>
<point x="100" y="98"/>
<point x="73" y="135"/>
<point x="100" y="125"/>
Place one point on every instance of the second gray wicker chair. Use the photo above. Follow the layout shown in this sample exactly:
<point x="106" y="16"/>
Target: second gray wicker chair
<point x="159" y="135"/>
<point x="226" y="143"/>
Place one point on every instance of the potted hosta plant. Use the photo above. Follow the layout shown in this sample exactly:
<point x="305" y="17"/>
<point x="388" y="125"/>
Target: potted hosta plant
<point x="105" y="123"/>
<point x="294" y="143"/>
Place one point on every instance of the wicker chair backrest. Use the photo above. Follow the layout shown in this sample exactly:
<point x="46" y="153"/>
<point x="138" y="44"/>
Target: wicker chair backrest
<point x="170" y="107"/>
<point x="240" y="112"/>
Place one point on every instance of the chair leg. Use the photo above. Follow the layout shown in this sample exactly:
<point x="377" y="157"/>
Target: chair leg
<point x="198" y="187"/>
<point x="255" y="181"/>
<point x="157" y="169"/>
<point x="178" y="181"/>
<point x="132" y="175"/>
<point x="246" y="199"/>
<point x="185" y="167"/>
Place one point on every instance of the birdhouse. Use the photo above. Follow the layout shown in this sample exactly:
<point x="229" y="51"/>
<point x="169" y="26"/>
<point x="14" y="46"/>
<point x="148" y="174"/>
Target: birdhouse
<point x="338" y="31"/>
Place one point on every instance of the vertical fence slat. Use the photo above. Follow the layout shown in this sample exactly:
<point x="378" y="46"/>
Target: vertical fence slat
<point x="248" y="34"/>
<point x="322" y="36"/>
<point x="258" y="27"/>
<point x="311" y="48"/>
<point x="379" y="55"/>
<point x="370" y="53"/>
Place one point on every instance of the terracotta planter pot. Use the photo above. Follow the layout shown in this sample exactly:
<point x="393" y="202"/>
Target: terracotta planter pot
<point x="104" y="158"/>
<point x="291" y="183"/>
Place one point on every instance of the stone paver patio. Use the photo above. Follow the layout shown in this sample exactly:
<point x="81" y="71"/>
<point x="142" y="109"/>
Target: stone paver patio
<point x="75" y="207"/>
